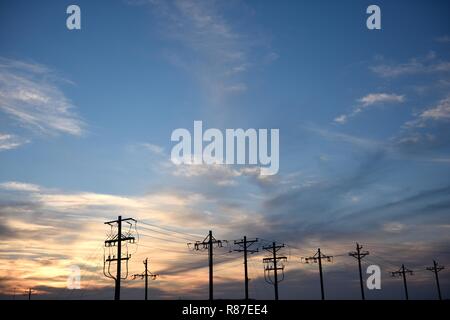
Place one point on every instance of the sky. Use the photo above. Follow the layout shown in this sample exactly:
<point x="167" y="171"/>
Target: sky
<point x="86" y="118"/>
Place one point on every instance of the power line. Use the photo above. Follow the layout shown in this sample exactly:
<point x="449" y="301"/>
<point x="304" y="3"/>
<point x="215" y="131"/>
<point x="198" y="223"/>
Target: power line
<point x="433" y="249"/>
<point x="170" y="230"/>
<point x="165" y="250"/>
<point x="166" y="234"/>
<point x="162" y="239"/>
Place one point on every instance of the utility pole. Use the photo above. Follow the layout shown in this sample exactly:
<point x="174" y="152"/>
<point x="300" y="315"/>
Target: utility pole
<point x="435" y="269"/>
<point x="208" y="244"/>
<point x="112" y="242"/>
<point x="272" y="265"/>
<point x="244" y="245"/>
<point x="358" y="254"/>
<point x="29" y="292"/>
<point x="402" y="272"/>
<point x="145" y="276"/>
<point x="317" y="257"/>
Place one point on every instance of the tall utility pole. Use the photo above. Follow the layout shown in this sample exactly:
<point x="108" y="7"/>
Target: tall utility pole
<point x="272" y="265"/>
<point x="244" y="244"/>
<point x="402" y="272"/>
<point x="145" y="276"/>
<point x="208" y="244"/>
<point x="435" y="269"/>
<point x="358" y="254"/>
<point x="317" y="257"/>
<point x="117" y="240"/>
<point x="29" y="292"/>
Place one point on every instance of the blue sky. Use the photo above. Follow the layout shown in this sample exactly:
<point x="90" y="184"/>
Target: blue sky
<point x="86" y="118"/>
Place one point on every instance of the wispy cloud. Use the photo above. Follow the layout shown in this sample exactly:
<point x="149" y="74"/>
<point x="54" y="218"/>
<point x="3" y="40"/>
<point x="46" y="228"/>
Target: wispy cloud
<point x="437" y="113"/>
<point x="10" y="141"/>
<point x="423" y="65"/>
<point x="443" y="39"/>
<point x="377" y="98"/>
<point x="19" y="186"/>
<point x="214" y="51"/>
<point x="346" y="138"/>
<point x="372" y="99"/>
<point x="220" y="174"/>
<point x="30" y="95"/>
<point x="153" y="148"/>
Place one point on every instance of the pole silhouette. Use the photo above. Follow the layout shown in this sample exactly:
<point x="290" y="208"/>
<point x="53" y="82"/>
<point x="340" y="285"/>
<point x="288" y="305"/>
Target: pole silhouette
<point x="272" y="265"/>
<point x="117" y="240"/>
<point x="29" y="292"/>
<point x="208" y="243"/>
<point x="145" y="275"/>
<point x="435" y="269"/>
<point x="317" y="258"/>
<point x="244" y="247"/>
<point x="358" y="254"/>
<point x="402" y="272"/>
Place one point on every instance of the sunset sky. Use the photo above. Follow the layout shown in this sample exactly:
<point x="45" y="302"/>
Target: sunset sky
<point x="86" y="118"/>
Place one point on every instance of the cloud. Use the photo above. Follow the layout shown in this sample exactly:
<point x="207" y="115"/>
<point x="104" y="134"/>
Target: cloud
<point x="378" y="98"/>
<point x="393" y="227"/>
<point x="341" y="119"/>
<point x="198" y="175"/>
<point x="153" y="148"/>
<point x="30" y="95"/>
<point x="48" y="230"/>
<point x="427" y="132"/>
<point x="426" y="65"/>
<point x="443" y="39"/>
<point x="435" y="114"/>
<point x="11" y="141"/>
<point x="60" y="229"/>
<point x="368" y="144"/>
<point x="209" y="45"/>
<point x="441" y="160"/>
<point x="19" y="186"/>
<point x="220" y="174"/>
<point x="440" y="112"/>
<point x="372" y="99"/>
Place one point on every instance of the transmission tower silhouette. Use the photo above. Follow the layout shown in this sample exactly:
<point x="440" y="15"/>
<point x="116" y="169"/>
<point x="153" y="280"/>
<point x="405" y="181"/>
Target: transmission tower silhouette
<point x="116" y="241"/>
